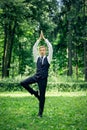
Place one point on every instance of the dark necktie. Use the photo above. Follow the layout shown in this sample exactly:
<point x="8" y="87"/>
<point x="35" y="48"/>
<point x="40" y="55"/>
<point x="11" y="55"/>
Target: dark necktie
<point x="42" y="59"/>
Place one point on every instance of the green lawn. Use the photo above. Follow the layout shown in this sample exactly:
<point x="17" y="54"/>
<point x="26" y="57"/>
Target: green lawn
<point x="67" y="111"/>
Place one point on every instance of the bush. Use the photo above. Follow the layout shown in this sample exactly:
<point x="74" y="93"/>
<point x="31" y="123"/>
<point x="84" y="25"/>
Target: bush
<point x="9" y="84"/>
<point x="14" y="85"/>
<point x="67" y="86"/>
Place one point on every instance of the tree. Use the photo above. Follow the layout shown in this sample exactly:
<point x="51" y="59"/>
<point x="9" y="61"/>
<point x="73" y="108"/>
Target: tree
<point x="84" y="40"/>
<point x="12" y="14"/>
<point x="65" y="26"/>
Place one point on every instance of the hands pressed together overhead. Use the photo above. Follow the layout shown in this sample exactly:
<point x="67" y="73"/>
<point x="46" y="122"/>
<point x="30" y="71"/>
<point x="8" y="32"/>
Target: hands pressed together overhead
<point x="49" y="46"/>
<point x="41" y="36"/>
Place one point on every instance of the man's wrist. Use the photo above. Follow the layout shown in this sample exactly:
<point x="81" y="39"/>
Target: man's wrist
<point x="39" y="39"/>
<point x="44" y="38"/>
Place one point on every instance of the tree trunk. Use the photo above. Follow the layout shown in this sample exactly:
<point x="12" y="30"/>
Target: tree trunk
<point x="84" y="40"/>
<point x="69" y="73"/>
<point x="20" y="59"/>
<point x="9" y="31"/>
<point x="69" y="45"/>
<point x="76" y="61"/>
<point x="85" y="60"/>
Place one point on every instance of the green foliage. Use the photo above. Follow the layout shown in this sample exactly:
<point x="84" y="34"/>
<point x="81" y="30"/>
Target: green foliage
<point x="67" y="87"/>
<point x="61" y="112"/>
<point x="59" y="84"/>
<point x="63" y="23"/>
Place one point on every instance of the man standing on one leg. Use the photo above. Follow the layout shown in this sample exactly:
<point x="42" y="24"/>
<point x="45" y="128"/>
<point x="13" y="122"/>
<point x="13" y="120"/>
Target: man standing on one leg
<point x="43" y="63"/>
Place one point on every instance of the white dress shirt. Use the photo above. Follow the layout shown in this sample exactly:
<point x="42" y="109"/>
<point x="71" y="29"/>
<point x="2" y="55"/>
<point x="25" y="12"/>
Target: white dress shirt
<point x="36" y="53"/>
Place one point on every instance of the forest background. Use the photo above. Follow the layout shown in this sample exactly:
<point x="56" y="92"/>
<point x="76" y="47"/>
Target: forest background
<point x="63" y="23"/>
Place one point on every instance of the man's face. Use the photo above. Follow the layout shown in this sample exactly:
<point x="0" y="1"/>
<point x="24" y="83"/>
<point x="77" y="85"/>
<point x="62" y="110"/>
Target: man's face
<point x="42" y="51"/>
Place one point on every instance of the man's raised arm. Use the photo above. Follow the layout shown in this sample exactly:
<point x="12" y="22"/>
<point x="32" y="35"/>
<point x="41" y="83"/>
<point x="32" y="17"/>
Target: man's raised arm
<point x="35" y="50"/>
<point x="50" y="48"/>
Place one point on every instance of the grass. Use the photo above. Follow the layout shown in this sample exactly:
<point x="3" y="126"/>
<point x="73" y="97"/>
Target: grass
<point x="64" y="111"/>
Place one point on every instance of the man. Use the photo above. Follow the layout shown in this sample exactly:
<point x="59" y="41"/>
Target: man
<point x="43" y="63"/>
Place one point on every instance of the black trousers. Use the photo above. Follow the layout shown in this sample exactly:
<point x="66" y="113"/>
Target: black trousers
<point x="42" y="83"/>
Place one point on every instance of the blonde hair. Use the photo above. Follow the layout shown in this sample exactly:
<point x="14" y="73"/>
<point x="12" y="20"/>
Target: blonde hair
<point x="42" y="47"/>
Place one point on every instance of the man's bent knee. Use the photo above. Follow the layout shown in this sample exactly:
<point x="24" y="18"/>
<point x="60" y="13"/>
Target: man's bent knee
<point x="22" y="83"/>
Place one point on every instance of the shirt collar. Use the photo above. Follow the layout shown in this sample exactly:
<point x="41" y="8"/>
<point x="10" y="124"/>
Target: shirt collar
<point x="43" y="56"/>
